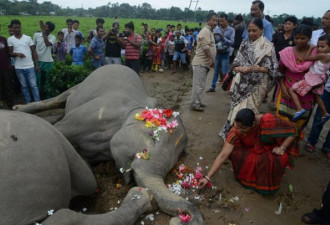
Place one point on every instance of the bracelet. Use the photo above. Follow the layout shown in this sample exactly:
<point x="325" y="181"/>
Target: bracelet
<point x="283" y="148"/>
<point x="207" y="178"/>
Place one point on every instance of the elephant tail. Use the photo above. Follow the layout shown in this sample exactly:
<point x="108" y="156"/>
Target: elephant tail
<point x="52" y="103"/>
<point x="167" y="201"/>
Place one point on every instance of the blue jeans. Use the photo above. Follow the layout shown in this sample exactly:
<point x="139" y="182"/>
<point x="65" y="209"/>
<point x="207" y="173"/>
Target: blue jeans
<point x="180" y="55"/>
<point x="221" y="61"/>
<point x="317" y="126"/>
<point x="28" y="80"/>
<point x="97" y="63"/>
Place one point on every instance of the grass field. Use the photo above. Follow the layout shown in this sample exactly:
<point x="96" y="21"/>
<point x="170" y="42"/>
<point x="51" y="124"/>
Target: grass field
<point x="30" y="24"/>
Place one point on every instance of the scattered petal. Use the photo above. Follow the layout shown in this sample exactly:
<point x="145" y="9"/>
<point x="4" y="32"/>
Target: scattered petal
<point x="50" y="212"/>
<point x="150" y="217"/>
<point x="291" y="188"/>
<point x="279" y="211"/>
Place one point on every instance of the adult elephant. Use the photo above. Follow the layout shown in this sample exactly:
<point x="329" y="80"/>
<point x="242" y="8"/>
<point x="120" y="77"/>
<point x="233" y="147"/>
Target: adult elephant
<point x="100" y="123"/>
<point x="41" y="171"/>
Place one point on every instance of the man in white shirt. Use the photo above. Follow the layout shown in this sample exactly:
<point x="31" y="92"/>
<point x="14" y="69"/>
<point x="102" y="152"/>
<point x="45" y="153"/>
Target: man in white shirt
<point x="69" y="34"/>
<point x="325" y="23"/>
<point x="44" y="41"/>
<point x="22" y="49"/>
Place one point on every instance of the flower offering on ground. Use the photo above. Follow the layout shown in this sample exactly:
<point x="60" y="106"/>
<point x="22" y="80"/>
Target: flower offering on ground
<point x="188" y="178"/>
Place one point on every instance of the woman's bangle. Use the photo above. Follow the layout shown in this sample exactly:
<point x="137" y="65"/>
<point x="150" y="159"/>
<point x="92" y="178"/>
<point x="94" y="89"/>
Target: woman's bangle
<point x="283" y="148"/>
<point x="207" y="178"/>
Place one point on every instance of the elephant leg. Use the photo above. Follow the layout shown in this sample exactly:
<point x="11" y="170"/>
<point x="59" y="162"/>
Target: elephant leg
<point x="52" y="103"/>
<point x="82" y="178"/>
<point x="137" y="202"/>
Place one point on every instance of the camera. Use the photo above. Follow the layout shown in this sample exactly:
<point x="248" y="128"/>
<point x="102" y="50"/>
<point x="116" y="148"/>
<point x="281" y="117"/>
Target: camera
<point x="122" y="35"/>
<point x="114" y="30"/>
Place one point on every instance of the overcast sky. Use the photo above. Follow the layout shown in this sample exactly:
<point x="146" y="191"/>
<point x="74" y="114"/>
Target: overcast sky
<point x="299" y="8"/>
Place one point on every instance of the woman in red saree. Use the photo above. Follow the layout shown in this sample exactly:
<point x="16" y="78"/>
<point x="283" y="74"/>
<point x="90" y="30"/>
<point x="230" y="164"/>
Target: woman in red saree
<point x="259" y="147"/>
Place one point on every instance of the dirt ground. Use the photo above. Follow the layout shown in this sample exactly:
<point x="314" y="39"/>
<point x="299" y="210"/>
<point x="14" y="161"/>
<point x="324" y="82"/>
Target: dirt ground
<point x="308" y="179"/>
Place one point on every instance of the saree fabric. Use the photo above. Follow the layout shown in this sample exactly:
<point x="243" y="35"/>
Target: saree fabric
<point x="255" y="166"/>
<point x="250" y="89"/>
<point x="294" y="71"/>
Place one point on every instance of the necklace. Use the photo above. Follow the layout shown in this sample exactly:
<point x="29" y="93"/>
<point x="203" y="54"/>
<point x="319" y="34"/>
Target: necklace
<point x="299" y="60"/>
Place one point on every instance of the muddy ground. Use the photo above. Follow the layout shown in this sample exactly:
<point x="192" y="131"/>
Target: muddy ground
<point x="308" y="179"/>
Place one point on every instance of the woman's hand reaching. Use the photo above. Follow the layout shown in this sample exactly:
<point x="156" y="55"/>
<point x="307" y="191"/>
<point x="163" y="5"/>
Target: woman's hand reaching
<point x="278" y="151"/>
<point x="202" y="183"/>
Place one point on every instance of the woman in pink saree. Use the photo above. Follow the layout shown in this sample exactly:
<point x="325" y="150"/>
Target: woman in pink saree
<point x="294" y="67"/>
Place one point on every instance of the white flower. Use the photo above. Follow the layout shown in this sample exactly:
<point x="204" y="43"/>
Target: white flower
<point x="50" y="212"/>
<point x="150" y="217"/>
<point x="175" y="114"/>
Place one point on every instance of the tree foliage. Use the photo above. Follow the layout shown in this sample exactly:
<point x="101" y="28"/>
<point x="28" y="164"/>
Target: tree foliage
<point x="124" y="10"/>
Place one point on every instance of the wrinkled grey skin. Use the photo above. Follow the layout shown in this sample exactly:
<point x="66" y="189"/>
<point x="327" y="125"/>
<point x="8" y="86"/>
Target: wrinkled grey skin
<point x="99" y="122"/>
<point x="39" y="169"/>
<point x="136" y="202"/>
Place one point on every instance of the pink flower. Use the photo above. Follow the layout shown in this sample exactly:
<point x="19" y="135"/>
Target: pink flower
<point x="185" y="185"/>
<point x="198" y="175"/>
<point x="185" y="217"/>
<point x="209" y="185"/>
<point x="174" y="124"/>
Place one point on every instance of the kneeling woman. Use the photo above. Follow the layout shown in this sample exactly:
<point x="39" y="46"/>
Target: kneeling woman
<point x="259" y="148"/>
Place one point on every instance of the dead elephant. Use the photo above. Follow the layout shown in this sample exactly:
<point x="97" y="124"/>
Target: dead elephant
<point x="40" y="171"/>
<point x="100" y="123"/>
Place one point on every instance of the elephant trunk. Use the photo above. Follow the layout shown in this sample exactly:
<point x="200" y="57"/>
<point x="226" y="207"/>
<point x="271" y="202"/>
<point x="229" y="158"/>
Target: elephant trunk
<point x="168" y="202"/>
<point x="136" y="202"/>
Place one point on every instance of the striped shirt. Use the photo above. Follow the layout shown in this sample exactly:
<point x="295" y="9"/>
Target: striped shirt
<point x="132" y="52"/>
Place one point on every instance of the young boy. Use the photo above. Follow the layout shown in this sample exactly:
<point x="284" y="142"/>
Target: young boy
<point x="60" y="48"/>
<point x="78" y="51"/>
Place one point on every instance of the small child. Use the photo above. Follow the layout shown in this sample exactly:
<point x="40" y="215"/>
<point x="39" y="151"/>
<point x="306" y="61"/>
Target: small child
<point x="162" y="49"/>
<point x="149" y="57"/>
<point x="170" y="51"/>
<point x="59" y="48"/>
<point x="190" y="41"/>
<point x="156" y="48"/>
<point x="314" y="80"/>
<point x="78" y="51"/>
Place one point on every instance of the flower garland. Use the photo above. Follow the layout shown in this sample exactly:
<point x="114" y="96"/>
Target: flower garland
<point x="157" y="120"/>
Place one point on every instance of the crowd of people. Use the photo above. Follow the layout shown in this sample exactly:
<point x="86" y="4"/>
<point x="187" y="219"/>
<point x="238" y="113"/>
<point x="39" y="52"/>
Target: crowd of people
<point x="30" y="60"/>
<point x="294" y="61"/>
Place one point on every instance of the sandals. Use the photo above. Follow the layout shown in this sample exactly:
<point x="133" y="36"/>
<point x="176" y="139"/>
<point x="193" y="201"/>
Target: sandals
<point x="310" y="148"/>
<point x="327" y="155"/>
<point x="324" y="119"/>
<point x="310" y="218"/>
<point x="298" y="115"/>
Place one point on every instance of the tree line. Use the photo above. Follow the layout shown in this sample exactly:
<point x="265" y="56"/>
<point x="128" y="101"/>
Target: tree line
<point x="124" y="10"/>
